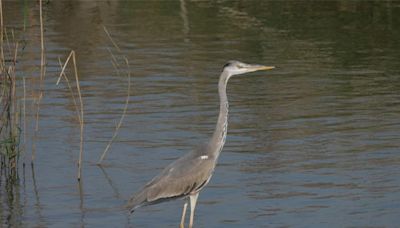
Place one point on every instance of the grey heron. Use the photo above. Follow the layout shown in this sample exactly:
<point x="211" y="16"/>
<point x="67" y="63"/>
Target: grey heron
<point x="185" y="177"/>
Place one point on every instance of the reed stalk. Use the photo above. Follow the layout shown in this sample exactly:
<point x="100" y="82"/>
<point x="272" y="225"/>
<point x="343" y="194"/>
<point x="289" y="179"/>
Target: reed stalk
<point x="42" y="54"/>
<point x="78" y="109"/>
<point x="120" y="120"/>
<point x="116" y="65"/>
<point x="24" y="119"/>
<point x="42" y="75"/>
<point x="71" y="92"/>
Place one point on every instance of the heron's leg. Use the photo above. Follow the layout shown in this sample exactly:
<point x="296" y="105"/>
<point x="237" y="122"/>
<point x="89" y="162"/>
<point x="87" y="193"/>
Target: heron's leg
<point x="193" y="200"/>
<point x="182" y="225"/>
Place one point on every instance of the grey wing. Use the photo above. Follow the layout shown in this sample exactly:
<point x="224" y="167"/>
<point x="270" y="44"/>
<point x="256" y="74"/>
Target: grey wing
<point x="186" y="175"/>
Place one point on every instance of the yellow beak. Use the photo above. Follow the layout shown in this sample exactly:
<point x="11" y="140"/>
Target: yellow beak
<point x="266" y="68"/>
<point x="256" y="67"/>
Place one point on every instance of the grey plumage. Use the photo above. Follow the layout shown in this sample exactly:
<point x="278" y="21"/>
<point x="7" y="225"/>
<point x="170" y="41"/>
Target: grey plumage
<point x="177" y="180"/>
<point x="189" y="174"/>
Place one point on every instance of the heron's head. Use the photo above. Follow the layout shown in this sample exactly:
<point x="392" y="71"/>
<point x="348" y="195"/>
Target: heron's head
<point x="234" y="67"/>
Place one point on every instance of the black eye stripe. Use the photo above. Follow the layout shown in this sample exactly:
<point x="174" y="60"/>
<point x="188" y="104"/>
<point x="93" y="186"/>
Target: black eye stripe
<point x="226" y="65"/>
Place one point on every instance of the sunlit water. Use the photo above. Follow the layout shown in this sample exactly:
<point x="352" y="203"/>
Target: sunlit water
<point x="313" y="143"/>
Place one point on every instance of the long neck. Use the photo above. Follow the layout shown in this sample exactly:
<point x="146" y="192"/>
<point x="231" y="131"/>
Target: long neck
<point x="219" y="136"/>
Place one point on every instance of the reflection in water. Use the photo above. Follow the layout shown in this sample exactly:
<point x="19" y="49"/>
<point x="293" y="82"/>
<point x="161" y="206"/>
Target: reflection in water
<point x="116" y="194"/>
<point x="11" y="198"/>
<point x="81" y="204"/>
<point x="38" y="206"/>
<point x="185" y="20"/>
<point x="314" y="142"/>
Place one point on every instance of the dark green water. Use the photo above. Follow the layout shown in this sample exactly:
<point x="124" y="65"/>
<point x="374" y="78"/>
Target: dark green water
<point x="314" y="143"/>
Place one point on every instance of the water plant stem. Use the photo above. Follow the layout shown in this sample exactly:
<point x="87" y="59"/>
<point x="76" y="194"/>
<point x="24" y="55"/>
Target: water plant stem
<point x="115" y="64"/>
<point x="79" y="109"/>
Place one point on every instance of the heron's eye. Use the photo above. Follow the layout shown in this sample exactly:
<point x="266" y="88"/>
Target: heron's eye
<point x="240" y="66"/>
<point x="226" y="65"/>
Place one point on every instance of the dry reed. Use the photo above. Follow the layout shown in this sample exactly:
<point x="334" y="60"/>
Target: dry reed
<point x="9" y="114"/>
<point x="42" y="75"/>
<point x="78" y="109"/>
<point x="24" y="119"/>
<point x="71" y="92"/>
<point x="116" y="65"/>
<point x="42" y="53"/>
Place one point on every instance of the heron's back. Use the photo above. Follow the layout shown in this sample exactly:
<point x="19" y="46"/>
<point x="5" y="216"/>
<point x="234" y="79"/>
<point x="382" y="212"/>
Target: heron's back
<point x="187" y="175"/>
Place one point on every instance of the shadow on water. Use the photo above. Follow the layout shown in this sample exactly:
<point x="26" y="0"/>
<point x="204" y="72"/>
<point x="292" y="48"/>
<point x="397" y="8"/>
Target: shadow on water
<point x="314" y="143"/>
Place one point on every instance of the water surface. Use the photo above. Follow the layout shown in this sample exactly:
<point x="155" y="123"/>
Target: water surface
<point x="313" y="143"/>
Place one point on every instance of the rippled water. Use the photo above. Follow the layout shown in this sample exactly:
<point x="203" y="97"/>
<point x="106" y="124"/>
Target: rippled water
<point x="314" y="143"/>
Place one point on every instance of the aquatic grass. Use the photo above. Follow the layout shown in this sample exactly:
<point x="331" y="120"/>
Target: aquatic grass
<point x="116" y="67"/>
<point x="1" y="36"/>
<point x="79" y="108"/>
<point x="9" y="114"/>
